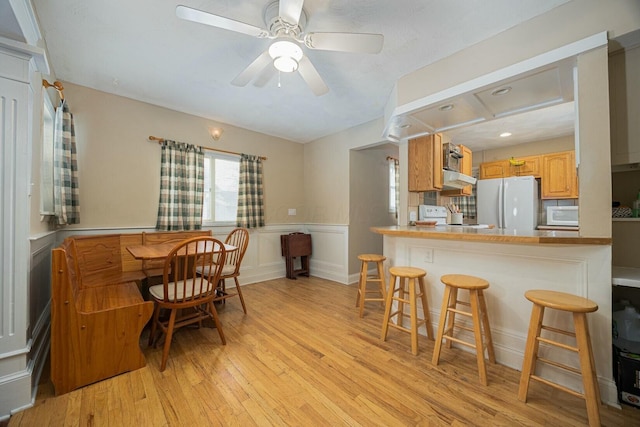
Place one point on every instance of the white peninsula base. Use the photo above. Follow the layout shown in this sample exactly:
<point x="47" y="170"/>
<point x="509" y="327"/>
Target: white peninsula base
<point x="512" y="269"/>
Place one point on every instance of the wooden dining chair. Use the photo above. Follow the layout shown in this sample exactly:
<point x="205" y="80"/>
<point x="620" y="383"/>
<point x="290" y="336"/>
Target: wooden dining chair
<point x="239" y="238"/>
<point x="188" y="296"/>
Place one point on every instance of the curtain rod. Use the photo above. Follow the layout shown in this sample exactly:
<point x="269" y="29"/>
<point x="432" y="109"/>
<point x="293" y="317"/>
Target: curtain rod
<point x="57" y="85"/>
<point x="161" y="140"/>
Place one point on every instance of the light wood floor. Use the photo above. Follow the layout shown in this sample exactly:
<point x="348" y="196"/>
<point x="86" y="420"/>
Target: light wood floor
<point x="302" y="357"/>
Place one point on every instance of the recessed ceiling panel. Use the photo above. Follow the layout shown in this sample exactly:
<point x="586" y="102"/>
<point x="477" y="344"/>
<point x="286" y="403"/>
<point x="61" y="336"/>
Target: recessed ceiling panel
<point x="526" y="93"/>
<point x="451" y="113"/>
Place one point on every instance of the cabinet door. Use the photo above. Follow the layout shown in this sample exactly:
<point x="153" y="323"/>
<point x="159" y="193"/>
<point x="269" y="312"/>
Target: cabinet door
<point x="531" y="166"/>
<point x="497" y="169"/>
<point x="559" y="178"/>
<point x="425" y="163"/>
<point x="466" y="167"/>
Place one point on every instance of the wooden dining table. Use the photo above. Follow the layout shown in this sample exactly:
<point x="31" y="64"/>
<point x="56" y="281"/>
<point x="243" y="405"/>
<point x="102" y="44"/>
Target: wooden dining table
<point x="162" y="250"/>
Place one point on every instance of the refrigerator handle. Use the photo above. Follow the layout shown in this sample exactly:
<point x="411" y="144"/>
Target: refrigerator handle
<point x="500" y="205"/>
<point x="504" y="204"/>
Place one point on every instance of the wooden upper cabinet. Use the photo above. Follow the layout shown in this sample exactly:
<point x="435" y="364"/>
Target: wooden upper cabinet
<point x="466" y="167"/>
<point x="532" y="165"/>
<point x="425" y="163"/>
<point x="497" y="169"/>
<point x="559" y="178"/>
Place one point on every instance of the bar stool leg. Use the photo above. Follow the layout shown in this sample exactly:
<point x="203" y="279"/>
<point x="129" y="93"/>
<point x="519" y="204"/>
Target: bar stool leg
<point x="589" y="379"/>
<point x="531" y="351"/>
<point x="383" y="287"/>
<point x="477" y="332"/>
<point x="425" y="310"/>
<point x="362" y="288"/>
<point x="441" y="325"/>
<point x="414" y="316"/>
<point x="402" y="295"/>
<point x="453" y="303"/>
<point x="387" y="308"/>
<point x="361" y="282"/>
<point x="486" y="327"/>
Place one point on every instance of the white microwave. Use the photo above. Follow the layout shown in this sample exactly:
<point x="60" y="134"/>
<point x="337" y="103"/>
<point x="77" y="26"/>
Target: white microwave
<point x="562" y="215"/>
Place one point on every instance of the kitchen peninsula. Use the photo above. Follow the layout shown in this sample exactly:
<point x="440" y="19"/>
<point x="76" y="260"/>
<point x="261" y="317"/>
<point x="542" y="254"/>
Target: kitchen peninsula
<point x="513" y="263"/>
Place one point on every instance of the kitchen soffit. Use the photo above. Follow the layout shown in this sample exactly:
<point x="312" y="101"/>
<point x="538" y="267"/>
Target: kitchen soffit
<point x="538" y="84"/>
<point x="534" y="90"/>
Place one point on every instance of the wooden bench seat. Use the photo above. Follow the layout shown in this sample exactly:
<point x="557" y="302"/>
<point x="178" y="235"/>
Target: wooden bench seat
<point x="95" y="329"/>
<point x="98" y="311"/>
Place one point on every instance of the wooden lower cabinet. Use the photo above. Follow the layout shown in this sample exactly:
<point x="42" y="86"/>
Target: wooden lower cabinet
<point x="559" y="177"/>
<point x="425" y="163"/>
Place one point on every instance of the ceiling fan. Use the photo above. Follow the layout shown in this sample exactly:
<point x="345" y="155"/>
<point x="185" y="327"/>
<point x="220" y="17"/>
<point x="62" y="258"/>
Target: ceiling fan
<point x="285" y="21"/>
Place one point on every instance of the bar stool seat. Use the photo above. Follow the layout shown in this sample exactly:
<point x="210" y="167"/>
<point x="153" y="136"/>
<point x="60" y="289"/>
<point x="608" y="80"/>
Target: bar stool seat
<point x="365" y="277"/>
<point x="404" y="274"/>
<point x="478" y="315"/>
<point x="579" y="307"/>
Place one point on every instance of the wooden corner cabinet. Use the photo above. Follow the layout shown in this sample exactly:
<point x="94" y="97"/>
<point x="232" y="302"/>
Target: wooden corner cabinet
<point x="466" y="167"/>
<point x="559" y="177"/>
<point x="425" y="163"/>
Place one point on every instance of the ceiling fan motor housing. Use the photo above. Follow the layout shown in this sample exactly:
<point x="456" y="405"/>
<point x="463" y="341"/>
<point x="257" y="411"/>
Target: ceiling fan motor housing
<point x="278" y="27"/>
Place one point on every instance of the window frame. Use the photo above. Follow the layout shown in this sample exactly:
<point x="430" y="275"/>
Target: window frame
<point x="212" y="156"/>
<point x="47" y="153"/>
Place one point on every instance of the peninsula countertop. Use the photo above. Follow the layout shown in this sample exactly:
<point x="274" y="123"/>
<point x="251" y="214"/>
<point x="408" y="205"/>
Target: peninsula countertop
<point x="491" y="235"/>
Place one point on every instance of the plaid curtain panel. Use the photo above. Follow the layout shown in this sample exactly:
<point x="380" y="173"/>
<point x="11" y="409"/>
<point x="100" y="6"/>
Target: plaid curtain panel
<point x="467" y="204"/>
<point x="181" y="187"/>
<point x="66" y="194"/>
<point x="250" y="193"/>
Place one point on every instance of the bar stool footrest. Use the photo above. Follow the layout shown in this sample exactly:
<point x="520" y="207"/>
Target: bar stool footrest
<point x="557" y="386"/>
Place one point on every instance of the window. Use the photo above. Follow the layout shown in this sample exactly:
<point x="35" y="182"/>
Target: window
<point x="393" y="185"/>
<point x="220" y="201"/>
<point x="46" y="170"/>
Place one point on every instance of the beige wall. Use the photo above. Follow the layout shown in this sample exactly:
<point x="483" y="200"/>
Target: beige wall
<point x="119" y="169"/>
<point x="369" y="201"/>
<point x="326" y="172"/>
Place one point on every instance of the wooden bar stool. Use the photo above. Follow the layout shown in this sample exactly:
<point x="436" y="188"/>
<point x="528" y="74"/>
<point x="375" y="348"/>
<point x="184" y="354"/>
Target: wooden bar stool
<point x="405" y="274"/>
<point x="478" y="315"/>
<point x="381" y="292"/>
<point x="579" y="306"/>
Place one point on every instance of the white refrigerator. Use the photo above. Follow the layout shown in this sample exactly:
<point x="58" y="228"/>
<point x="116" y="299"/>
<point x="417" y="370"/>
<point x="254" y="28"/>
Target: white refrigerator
<point x="509" y="203"/>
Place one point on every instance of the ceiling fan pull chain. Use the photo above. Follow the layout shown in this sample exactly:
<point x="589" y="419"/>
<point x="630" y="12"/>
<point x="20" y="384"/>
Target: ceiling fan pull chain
<point x="279" y="74"/>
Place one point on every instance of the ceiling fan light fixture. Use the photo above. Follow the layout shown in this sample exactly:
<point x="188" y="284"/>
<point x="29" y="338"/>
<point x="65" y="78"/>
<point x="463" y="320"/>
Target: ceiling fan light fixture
<point x="286" y="55"/>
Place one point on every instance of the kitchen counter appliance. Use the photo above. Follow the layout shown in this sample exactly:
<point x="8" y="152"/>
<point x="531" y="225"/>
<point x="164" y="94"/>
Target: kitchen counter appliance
<point x="451" y="155"/>
<point x="433" y="213"/>
<point x="562" y="215"/>
<point x="509" y="203"/>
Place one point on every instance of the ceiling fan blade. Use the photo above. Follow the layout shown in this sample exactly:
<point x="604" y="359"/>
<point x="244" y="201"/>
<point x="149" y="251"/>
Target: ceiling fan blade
<point x="207" y="18"/>
<point x="252" y="70"/>
<point x="345" y="42"/>
<point x="264" y="77"/>
<point x="290" y="10"/>
<point x="311" y="76"/>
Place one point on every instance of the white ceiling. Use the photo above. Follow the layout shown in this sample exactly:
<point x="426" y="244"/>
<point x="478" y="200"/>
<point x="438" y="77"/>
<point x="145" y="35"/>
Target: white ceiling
<point x="139" y="49"/>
